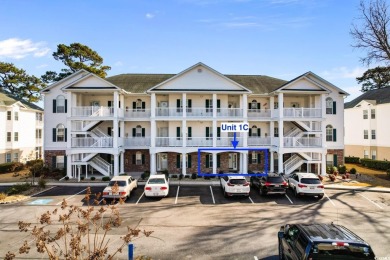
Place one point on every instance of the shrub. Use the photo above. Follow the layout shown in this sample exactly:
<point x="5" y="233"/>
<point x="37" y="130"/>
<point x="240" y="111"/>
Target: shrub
<point x="106" y="178"/>
<point x="173" y="176"/>
<point x="194" y="176"/>
<point x="93" y="178"/>
<point x="32" y="162"/>
<point x="181" y="176"/>
<point x="352" y="171"/>
<point x="11" y="167"/>
<point x="342" y="169"/>
<point x="352" y="159"/>
<point x="320" y="177"/>
<point x="375" y="164"/>
<point x="82" y="178"/>
<point x="187" y="176"/>
<point x="388" y="173"/>
<point x="166" y="173"/>
<point x="18" y="188"/>
<point x="3" y="196"/>
<point x="42" y="183"/>
<point x="66" y="178"/>
<point x="145" y="175"/>
<point x="332" y="177"/>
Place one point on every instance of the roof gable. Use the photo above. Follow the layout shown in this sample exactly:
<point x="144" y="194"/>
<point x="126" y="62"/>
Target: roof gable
<point x="379" y="96"/>
<point x="75" y="76"/>
<point x="90" y="81"/>
<point x="199" y="78"/>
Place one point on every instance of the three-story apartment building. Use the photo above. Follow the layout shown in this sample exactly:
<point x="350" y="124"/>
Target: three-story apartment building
<point x="157" y="122"/>
<point x="21" y="135"/>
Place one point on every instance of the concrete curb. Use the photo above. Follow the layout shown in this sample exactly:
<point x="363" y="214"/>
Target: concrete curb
<point x="356" y="188"/>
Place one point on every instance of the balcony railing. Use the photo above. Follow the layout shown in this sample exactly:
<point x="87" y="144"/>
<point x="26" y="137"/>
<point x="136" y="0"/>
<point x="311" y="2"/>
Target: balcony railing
<point x="169" y="141"/>
<point x="137" y="141"/>
<point x="227" y="141"/>
<point x="92" y="142"/>
<point x="302" y="142"/>
<point x="259" y="113"/>
<point x="255" y="141"/>
<point x="229" y="112"/>
<point x="137" y="113"/>
<point x="168" y="111"/>
<point x="199" y="112"/>
<point x="92" y="111"/>
<point x="199" y="141"/>
<point x="302" y="112"/>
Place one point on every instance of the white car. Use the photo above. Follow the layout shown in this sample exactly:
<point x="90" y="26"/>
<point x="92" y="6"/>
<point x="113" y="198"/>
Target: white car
<point x="235" y="186"/>
<point x="306" y="184"/>
<point x="157" y="186"/>
<point x="125" y="185"/>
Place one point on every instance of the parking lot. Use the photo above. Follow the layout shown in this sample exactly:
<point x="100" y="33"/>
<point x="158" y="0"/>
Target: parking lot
<point x="198" y="222"/>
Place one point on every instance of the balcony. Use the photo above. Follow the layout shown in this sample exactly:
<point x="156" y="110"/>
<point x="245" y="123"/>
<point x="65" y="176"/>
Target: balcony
<point x="92" y="142"/>
<point x="302" y="112"/>
<point x="301" y="142"/>
<point x="227" y="141"/>
<point x="92" y="111"/>
<point x="137" y="141"/>
<point x="169" y="111"/>
<point x="199" y="142"/>
<point x="199" y="112"/>
<point x="169" y="142"/>
<point x="229" y="112"/>
<point x="259" y="113"/>
<point x="137" y="113"/>
<point x="256" y="141"/>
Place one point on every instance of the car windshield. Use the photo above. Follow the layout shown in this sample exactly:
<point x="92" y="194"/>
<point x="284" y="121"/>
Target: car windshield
<point x="237" y="181"/>
<point x="120" y="183"/>
<point x="157" y="181"/>
<point x="276" y="179"/>
<point x="310" y="181"/>
<point x="352" y="251"/>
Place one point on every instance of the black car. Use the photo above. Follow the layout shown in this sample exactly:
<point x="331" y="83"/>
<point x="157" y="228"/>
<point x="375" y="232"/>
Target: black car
<point x="271" y="184"/>
<point x="321" y="241"/>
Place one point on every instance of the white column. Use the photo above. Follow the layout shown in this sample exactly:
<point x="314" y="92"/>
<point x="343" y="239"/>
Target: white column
<point x="184" y="132"/>
<point x="153" y="105"/>
<point x="271" y="164"/>
<point x="184" y="164"/>
<point x="153" y="133"/>
<point x="122" y="162"/>
<point x="123" y="134"/>
<point x="280" y="162"/>
<point x="323" y="125"/>
<point x="271" y="105"/>
<point x="272" y="131"/>
<point x="214" y="163"/>
<point x="244" y="106"/>
<point x="214" y="132"/>
<point x="116" y="164"/>
<point x="280" y="121"/>
<point x="245" y="162"/>
<point x="115" y="133"/>
<point x="152" y="163"/>
<point x="116" y="103"/>
<point x="122" y="101"/>
<point x="70" y="97"/>
<point x="214" y="106"/>
<point x="323" y="164"/>
<point x="184" y="104"/>
<point x="69" y="166"/>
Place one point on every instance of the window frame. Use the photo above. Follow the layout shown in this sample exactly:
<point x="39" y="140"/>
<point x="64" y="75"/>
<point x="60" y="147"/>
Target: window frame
<point x="9" y="136"/>
<point x="373" y="114"/>
<point x="373" y="134"/>
<point x="8" y="157"/>
<point x="365" y="114"/>
<point x="329" y="137"/>
<point x="58" y="129"/>
<point x="329" y="105"/>
<point x="365" y="134"/>
<point x="59" y="163"/>
<point x="16" y="136"/>
<point x="138" y="158"/>
<point x="60" y="108"/>
<point x="9" y="115"/>
<point x="16" y="116"/>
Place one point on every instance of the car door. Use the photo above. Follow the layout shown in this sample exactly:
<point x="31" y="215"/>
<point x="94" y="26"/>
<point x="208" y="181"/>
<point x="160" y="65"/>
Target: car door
<point x="256" y="181"/>
<point x="289" y="243"/>
<point x="291" y="180"/>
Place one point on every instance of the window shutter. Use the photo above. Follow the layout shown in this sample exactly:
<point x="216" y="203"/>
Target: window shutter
<point x="189" y="103"/>
<point x="178" y="131"/>
<point x="334" y="135"/>
<point x="250" y="132"/>
<point x="143" y="159"/>
<point x="218" y="131"/>
<point x="143" y="132"/>
<point x="334" y="107"/>
<point x="109" y="131"/>
<point x="109" y="103"/>
<point x="119" y="132"/>
<point x="178" y="161"/>
<point x="335" y="160"/>
<point x="54" y="135"/>
<point x="66" y="134"/>
<point x="250" y="159"/>
<point x="218" y="103"/>
<point x="207" y="161"/>
<point x="207" y="131"/>
<point x="258" y="158"/>
<point x="133" y="158"/>
<point x="53" y="162"/>
<point x="189" y="131"/>
<point x="189" y="161"/>
<point x="258" y="105"/>
<point x="249" y="105"/>
<point x="66" y="106"/>
<point x="218" y="161"/>
<point x="178" y="103"/>
<point x="134" y="105"/>
<point x="258" y="132"/>
<point x="207" y="103"/>
<point x="134" y="132"/>
<point x="65" y="161"/>
<point x="143" y="105"/>
<point x="54" y="106"/>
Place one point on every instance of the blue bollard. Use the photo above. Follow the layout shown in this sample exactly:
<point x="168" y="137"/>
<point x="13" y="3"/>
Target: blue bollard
<point x="131" y="251"/>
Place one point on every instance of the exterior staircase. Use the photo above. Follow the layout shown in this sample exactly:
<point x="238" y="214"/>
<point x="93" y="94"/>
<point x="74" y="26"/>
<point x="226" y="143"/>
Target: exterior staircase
<point x="101" y="165"/>
<point x="295" y="161"/>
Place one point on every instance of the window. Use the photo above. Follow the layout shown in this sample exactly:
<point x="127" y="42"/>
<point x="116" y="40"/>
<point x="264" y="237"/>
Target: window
<point x="276" y="105"/>
<point x="373" y="155"/>
<point x="329" y="133"/>
<point x="373" y="134"/>
<point x="38" y="116"/>
<point x="329" y="160"/>
<point x="38" y="133"/>
<point x="60" y="133"/>
<point x="16" y="136"/>
<point x="365" y="114"/>
<point x="254" y="105"/>
<point x="16" y="157"/>
<point x="329" y="105"/>
<point x="16" y="115"/>
<point x="38" y="152"/>
<point x="9" y="137"/>
<point x="9" y="116"/>
<point x="365" y="134"/>
<point x="209" y="105"/>
<point x="138" y="158"/>
<point x="60" y="162"/>
<point x="254" y="157"/>
<point x="60" y="105"/>
<point x="365" y="154"/>
<point x="276" y="131"/>
<point x="7" y="157"/>
<point x="180" y="161"/>
<point x="209" y="161"/>
<point x="372" y="113"/>
<point x="254" y="131"/>
<point x="209" y="133"/>
<point x="138" y="131"/>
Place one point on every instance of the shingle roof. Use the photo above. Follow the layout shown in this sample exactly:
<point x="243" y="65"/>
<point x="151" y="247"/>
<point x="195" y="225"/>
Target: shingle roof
<point x="381" y="96"/>
<point x="7" y="99"/>
<point x="140" y="83"/>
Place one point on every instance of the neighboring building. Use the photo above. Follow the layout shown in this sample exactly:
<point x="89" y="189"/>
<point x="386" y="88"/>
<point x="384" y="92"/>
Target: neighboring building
<point x="367" y="125"/>
<point x="21" y="135"/>
<point x="156" y="122"/>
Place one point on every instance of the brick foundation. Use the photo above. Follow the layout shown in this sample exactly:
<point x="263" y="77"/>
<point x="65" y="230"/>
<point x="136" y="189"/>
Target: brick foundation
<point x="50" y="153"/>
<point x="131" y="166"/>
<point x="340" y="155"/>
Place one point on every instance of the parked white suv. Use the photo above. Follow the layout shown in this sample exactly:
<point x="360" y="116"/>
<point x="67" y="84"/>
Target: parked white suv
<point x="235" y="186"/>
<point x="157" y="186"/>
<point x="306" y="184"/>
<point x="125" y="185"/>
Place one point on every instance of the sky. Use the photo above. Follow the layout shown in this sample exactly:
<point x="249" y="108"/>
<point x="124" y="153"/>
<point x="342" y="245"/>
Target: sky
<point x="277" y="38"/>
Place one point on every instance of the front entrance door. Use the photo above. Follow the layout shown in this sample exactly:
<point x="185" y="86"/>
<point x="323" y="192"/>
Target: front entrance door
<point x="233" y="161"/>
<point x="162" y="161"/>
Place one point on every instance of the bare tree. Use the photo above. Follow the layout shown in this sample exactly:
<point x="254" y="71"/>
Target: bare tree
<point x="371" y="33"/>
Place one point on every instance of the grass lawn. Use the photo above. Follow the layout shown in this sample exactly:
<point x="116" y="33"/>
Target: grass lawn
<point x="369" y="177"/>
<point x="21" y="176"/>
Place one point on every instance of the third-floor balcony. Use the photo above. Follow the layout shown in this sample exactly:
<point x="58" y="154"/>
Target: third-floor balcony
<point x="92" y="142"/>
<point x="302" y="112"/>
<point x="137" y="113"/>
<point x="198" y="112"/>
<point x="301" y="142"/>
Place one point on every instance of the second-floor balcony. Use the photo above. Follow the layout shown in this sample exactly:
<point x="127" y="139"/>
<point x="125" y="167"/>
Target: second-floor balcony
<point x="301" y="142"/>
<point x="92" y="142"/>
<point x="258" y="141"/>
<point x="92" y="111"/>
<point x="302" y="112"/>
<point x="137" y="113"/>
<point x="137" y="141"/>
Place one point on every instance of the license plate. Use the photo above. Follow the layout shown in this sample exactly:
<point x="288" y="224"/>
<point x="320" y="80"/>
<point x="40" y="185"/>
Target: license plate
<point x="277" y="185"/>
<point x="238" y="190"/>
<point x="155" y="194"/>
<point x="312" y="188"/>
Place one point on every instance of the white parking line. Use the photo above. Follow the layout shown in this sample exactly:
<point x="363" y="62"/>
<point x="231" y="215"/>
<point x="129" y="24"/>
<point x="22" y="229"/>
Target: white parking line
<point x="255" y="257"/>
<point x="251" y="200"/>
<point x="212" y="194"/>
<point x="373" y="202"/>
<point x="72" y="196"/>
<point x="140" y="197"/>
<point x="330" y="200"/>
<point x="288" y="198"/>
<point x="177" y="194"/>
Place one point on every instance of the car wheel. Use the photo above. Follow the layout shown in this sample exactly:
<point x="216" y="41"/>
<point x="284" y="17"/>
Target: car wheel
<point x="281" y="255"/>
<point x="262" y="192"/>
<point x="296" y="193"/>
<point x="225" y="194"/>
<point x="320" y="196"/>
